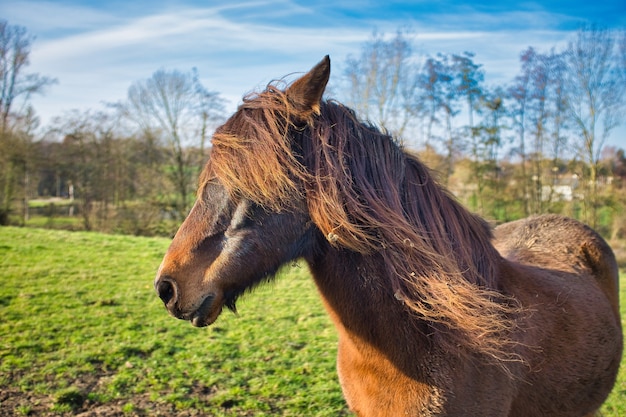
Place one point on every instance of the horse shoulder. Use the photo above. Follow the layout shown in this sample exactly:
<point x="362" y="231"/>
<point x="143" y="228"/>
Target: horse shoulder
<point x="432" y="384"/>
<point x="374" y="385"/>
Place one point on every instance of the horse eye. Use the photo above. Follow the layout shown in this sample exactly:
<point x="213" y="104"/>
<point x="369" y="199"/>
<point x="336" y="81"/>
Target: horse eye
<point x="243" y="216"/>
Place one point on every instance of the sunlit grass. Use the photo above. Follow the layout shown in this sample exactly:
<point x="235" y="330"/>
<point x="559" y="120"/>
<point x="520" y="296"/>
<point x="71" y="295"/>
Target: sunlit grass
<point x="81" y="322"/>
<point x="615" y="405"/>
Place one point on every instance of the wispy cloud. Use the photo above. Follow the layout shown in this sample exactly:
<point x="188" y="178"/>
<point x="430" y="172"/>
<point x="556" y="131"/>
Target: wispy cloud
<point x="233" y="52"/>
<point x="98" y="49"/>
<point x="194" y="30"/>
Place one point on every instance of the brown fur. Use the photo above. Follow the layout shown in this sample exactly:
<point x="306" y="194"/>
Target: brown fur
<point x="436" y="317"/>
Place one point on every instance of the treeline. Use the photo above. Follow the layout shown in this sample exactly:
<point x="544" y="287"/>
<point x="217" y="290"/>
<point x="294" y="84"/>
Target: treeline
<point x="534" y="145"/>
<point x="130" y="168"/>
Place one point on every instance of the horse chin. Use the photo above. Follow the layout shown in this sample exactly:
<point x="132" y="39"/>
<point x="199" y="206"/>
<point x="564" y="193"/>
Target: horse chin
<point x="208" y="312"/>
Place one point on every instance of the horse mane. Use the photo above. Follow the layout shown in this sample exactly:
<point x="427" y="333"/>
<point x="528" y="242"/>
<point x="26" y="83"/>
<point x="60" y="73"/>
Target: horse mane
<point x="367" y="194"/>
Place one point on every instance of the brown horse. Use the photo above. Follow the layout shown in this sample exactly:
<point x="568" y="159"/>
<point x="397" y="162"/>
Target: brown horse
<point x="437" y="315"/>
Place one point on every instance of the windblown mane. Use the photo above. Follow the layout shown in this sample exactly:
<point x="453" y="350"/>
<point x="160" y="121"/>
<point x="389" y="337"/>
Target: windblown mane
<point x="369" y="195"/>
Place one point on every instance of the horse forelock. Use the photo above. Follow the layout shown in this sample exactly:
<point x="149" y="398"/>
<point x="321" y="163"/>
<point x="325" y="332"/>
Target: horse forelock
<point x="367" y="194"/>
<point x="252" y="152"/>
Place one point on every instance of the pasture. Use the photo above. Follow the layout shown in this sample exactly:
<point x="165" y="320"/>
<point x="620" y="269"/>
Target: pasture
<point x="83" y="333"/>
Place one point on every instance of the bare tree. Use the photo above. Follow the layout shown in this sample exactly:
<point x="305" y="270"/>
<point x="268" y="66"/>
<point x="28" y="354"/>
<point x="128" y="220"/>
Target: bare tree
<point x="382" y="81"/>
<point x="91" y="161"/>
<point x="449" y="106"/>
<point x="469" y="85"/>
<point x="430" y="96"/>
<point x="595" y="99"/>
<point x="558" y="119"/>
<point x="17" y="118"/>
<point x="16" y="86"/>
<point x="175" y="108"/>
<point x="210" y="108"/>
<point x="491" y="142"/>
<point x="538" y="121"/>
<point x="537" y="111"/>
<point x="519" y="97"/>
<point x="443" y="82"/>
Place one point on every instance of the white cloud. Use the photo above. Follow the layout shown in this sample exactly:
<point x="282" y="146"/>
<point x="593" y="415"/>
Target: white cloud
<point x="97" y="52"/>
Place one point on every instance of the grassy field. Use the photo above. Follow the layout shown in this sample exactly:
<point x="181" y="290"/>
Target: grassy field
<point x="82" y="333"/>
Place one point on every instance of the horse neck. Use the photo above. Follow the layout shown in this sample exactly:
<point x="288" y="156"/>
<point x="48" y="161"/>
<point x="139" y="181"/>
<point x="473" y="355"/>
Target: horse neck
<point x="360" y="290"/>
<point x="362" y="305"/>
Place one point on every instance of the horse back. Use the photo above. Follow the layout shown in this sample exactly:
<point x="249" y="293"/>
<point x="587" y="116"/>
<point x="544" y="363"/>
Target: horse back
<point x="559" y="243"/>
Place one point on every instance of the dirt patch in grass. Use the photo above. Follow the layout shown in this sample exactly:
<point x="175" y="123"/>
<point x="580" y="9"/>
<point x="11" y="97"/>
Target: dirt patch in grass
<point x="14" y="402"/>
<point x="80" y="400"/>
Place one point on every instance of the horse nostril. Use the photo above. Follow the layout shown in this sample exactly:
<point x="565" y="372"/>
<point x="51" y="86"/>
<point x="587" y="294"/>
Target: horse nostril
<point x="165" y="289"/>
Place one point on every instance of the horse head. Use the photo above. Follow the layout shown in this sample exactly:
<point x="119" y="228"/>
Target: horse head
<point x="244" y="225"/>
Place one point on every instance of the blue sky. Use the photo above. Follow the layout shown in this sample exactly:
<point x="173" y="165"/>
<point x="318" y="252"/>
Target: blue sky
<point x="97" y="49"/>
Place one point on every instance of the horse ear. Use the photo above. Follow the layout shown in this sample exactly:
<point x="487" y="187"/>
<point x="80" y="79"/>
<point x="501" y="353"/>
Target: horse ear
<point x="306" y="92"/>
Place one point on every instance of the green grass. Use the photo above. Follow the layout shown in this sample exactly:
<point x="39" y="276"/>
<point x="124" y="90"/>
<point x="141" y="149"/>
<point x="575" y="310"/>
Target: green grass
<point x="615" y="405"/>
<point x="81" y="324"/>
<point x="81" y="327"/>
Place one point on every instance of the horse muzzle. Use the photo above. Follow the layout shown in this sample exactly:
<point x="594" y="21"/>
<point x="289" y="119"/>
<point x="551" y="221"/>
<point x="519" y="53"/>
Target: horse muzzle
<point x="206" y="314"/>
<point x="201" y="314"/>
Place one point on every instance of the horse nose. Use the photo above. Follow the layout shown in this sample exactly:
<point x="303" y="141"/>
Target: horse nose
<point x="166" y="288"/>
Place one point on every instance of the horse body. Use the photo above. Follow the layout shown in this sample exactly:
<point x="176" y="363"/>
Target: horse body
<point x="566" y="276"/>
<point x="571" y="338"/>
<point x="436" y="315"/>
